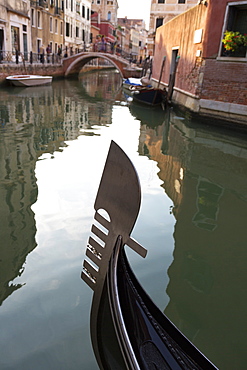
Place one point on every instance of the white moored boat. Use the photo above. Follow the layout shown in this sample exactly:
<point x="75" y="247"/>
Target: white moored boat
<point x="29" y="80"/>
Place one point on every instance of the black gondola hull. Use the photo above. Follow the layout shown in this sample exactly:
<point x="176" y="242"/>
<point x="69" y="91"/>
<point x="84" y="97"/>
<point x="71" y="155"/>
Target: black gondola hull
<point x="152" y="98"/>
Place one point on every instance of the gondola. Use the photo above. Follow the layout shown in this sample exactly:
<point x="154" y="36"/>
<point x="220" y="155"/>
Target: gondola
<point x="151" y="97"/>
<point x="131" y="85"/>
<point x="128" y="331"/>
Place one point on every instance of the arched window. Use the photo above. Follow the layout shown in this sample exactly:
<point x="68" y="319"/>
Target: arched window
<point x="109" y="16"/>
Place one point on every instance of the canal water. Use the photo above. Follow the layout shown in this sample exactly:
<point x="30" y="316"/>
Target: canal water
<point x="53" y="145"/>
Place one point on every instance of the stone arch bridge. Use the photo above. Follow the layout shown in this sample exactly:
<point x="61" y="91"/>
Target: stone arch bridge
<point x="73" y="64"/>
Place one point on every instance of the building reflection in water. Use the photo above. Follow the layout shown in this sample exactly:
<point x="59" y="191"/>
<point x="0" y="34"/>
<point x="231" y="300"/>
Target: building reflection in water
<point x="34" y="121"/>
<point x="204" y="174"/>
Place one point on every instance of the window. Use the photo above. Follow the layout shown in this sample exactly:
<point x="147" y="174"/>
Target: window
<point x="55" y="25"/>
<point x="32" y="17"/>
<point x="181" y="1"/>
<point x="61" y="28"/>
<point x="50" y="24"/>
<point x="77" y="32"/>
<point x="83" y="11"/>
<point x="236" y="21"/>
<point x="67" y="29"/>
<point x="98" y="1"/>
<point x="88" y="14"/>
<point x="39" y="43"/>
<point x="71" y="8"/>
<point x="83" y="35"/>
<point x="77" y="8"/>
<point x="161" y="1"/>
<point x="109" y="16"/>
<point x="159" y="22"/>
<point x="39" y="19"/>
<point x="15" y="38"/>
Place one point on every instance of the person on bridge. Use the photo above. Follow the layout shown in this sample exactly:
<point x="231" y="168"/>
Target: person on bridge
<point x="103" y="43"/>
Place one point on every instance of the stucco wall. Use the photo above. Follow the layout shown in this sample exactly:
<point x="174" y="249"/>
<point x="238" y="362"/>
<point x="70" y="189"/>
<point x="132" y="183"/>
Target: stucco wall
<point x="179" y="33"/>
<point x="213" y="27"/>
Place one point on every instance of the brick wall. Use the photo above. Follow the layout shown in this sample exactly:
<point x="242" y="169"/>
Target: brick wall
<point x="225" y="81"/>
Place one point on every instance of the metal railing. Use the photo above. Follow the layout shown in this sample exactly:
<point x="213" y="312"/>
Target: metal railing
<point x="106" y="47"/>
<point x="10" y="57"/>
<point x="17" y="57"/>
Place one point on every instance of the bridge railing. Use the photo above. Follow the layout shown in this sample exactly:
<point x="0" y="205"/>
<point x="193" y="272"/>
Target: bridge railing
<point x="10" y="57"/>
<point x="17" y="57"/>
<point x="106" y="47"/>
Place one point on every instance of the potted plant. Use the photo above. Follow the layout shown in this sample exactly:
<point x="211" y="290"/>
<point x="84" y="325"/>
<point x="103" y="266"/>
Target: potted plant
<point x="235" y="43"/>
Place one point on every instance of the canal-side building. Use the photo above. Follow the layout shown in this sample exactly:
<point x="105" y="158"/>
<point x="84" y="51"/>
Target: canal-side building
<point x="106" y="9"/>
<point x="27" y="26"/>
<point x="15" y="35"/>
<point x="47" y="26"/>
<point x="134" y="37"/>
<point x="104" y="17"/>
<point x="77" y="23"/>
<point x="162" y="11"/>
<point x="199" y="72"/>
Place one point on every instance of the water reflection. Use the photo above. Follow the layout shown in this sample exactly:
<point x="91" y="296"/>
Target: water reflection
<point x="204" y="173"/>
<point x="34" y="121"/>
<point x="18" y="191"/>
<point x="105" y="86"/>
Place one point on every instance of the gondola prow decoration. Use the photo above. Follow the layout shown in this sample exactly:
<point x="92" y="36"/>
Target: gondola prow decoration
<point x="128" y="331"/>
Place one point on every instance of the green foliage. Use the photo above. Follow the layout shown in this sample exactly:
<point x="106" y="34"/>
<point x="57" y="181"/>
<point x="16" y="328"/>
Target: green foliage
<point x="233" y="40"/>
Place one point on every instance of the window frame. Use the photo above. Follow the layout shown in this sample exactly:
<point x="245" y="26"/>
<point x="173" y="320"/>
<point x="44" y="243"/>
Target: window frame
<point x="238" y="4"/>
<point x="33" y="17"/>
<point x="51" y="24"/>
<point x="156" y="20"/>
<point x="39" y="20"/>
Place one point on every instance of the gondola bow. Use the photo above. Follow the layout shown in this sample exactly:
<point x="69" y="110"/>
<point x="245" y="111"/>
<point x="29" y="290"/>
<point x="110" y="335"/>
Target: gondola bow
<point x="128" y="331"/>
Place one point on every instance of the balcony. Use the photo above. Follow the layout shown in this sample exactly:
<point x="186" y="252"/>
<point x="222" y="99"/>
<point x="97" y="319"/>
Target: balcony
<point x="42" y="3"/>
<point x="33" y="3"/>
<point x="57" y="10"/>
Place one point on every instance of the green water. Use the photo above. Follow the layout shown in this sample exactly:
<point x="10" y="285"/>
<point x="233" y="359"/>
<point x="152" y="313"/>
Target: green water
<point x="53" y="145"/>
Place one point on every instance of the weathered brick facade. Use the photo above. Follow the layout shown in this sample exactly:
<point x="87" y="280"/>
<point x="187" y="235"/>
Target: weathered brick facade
<point x="205" y="81"/>
<point x="225" y="81"/>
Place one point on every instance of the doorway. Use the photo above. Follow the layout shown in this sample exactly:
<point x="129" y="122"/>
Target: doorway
<point x="174" y="63"/>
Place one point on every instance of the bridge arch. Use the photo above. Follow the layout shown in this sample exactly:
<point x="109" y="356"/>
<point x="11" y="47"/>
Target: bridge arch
<point x="73" y="65"/>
